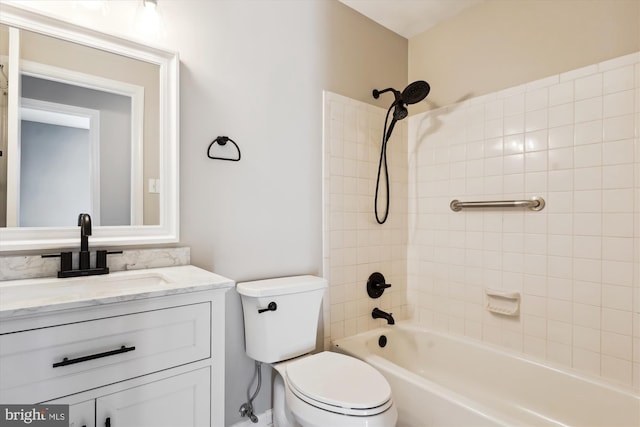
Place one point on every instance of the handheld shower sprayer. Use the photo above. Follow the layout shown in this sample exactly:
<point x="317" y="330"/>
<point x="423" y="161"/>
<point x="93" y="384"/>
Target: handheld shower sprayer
<point x="412" y="94"/>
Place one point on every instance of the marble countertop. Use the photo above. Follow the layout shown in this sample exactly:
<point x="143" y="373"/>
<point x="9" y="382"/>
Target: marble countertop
<point x="31" y="296"/>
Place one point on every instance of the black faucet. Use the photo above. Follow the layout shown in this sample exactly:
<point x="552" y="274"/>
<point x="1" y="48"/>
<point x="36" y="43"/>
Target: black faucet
<point x="84" y="222"/>
<point x="379" y="314"/>
<point x="84" y="257"/>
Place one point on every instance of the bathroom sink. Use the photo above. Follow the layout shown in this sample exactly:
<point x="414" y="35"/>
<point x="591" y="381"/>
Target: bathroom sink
<point x="31" y="293"/>
<point x="92" y="284"/>
<point x="133" y="279"/>
<point x="28" y="296"/>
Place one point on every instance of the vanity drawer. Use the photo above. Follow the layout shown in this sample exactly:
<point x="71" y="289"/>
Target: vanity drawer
<point x="49" y="362"/>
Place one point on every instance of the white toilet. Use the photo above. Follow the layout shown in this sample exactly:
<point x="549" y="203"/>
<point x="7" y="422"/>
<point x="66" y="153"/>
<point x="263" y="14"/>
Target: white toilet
<point x="310" y="390"/>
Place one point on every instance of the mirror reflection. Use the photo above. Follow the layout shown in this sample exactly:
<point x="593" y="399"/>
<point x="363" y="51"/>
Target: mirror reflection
<point x="88" y="137"/>
<point x="67" y="134"/>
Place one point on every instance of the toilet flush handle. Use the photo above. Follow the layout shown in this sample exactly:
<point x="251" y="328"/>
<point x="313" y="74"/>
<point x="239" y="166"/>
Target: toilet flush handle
<point x="271" y="307"/>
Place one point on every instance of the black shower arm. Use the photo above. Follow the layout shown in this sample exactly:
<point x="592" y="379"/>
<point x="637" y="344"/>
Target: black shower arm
<point x="377" y="93"/>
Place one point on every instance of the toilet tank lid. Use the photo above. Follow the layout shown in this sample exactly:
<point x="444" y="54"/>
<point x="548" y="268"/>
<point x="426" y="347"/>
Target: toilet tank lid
<point x="281" y="286"/>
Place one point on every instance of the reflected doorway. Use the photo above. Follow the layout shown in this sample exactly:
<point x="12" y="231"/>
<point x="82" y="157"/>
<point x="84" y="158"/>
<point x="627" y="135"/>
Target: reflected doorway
<point x="59" y="164"/>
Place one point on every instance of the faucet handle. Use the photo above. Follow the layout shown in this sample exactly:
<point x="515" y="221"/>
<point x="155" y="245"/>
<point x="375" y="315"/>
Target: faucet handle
<point x="376" y="284"/>
<point x="101" y="257"/>
<point x="65" y="260"/>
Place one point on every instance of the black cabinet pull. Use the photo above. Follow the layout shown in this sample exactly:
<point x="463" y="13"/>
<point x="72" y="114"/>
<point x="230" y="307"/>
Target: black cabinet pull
<point x="67" y="361"/>
<point x="107" y="422"/>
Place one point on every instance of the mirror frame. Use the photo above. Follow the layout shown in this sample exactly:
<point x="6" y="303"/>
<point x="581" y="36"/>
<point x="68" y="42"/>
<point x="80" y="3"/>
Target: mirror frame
<point x="34" y="238"/>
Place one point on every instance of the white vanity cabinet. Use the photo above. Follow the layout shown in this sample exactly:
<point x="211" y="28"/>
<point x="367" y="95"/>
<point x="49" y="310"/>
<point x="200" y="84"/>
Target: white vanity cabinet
<point x="154" y="359"/>
<point x="181" y="400"/>
<point x="82" y="414"/>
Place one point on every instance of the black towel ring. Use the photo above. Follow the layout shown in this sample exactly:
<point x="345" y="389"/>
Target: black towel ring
<point x="222" y="141"/>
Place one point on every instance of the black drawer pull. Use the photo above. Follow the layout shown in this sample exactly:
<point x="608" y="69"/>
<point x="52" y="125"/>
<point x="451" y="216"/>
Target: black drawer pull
<point x="67" y="361"/>
<point x="107" y="422"/>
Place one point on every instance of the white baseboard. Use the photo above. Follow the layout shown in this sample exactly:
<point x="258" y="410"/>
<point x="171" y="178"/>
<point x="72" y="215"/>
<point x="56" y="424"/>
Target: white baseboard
<point x="265" y="419"/>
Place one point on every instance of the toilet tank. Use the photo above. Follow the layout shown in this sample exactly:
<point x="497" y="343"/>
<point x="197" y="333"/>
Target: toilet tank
<point x="281" y="316"/>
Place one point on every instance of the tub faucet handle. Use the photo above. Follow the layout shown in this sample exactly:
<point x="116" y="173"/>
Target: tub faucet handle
<point x="376" y="284"/>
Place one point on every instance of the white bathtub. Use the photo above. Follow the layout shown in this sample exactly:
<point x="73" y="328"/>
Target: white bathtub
<point x="441" y="380"/>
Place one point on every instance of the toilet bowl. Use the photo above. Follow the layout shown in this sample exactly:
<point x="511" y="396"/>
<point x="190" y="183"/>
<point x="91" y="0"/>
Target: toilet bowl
<point x="332" y="389"/>
<point x="325" y="389"/>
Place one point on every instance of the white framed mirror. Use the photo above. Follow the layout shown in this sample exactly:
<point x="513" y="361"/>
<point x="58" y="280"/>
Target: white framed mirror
<point x="118" y="101"/>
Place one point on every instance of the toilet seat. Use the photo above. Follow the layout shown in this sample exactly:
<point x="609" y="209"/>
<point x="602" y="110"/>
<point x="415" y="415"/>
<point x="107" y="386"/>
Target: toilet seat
<point x="339" y="383"/>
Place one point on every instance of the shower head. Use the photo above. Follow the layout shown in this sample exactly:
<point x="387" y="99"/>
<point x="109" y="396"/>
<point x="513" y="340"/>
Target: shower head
<point x="412" y="94"/>
<point x="415" y="92"/>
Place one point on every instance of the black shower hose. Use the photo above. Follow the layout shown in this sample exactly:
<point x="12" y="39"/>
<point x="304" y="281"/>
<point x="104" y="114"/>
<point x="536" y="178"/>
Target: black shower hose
<point x="383" y="162"/>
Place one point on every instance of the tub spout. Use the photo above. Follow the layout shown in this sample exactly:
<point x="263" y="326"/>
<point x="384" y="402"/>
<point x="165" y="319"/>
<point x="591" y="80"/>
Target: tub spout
<point x="379" y="314"/>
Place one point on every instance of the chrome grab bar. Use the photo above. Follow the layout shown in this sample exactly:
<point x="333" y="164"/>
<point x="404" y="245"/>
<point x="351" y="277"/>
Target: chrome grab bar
<point x="535" y="204"/>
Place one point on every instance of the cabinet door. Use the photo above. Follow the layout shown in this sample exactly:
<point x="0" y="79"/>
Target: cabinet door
<point x="83" y="414"/>
<point x="183" y="400"/>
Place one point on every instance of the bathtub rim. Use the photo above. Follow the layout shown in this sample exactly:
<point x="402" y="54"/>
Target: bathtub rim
<point x="361" y="337"/>
<point x="442" y="392"/>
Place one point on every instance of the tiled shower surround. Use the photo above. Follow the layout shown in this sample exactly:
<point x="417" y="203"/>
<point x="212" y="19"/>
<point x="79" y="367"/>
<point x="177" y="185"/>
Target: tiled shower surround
<point x="572" y="139"/>
<point x="355" y="245"/>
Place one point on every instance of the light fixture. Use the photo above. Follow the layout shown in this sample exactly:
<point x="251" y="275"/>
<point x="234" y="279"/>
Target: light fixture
<point x="148" y="20"/>
<point x="150" y="4"/>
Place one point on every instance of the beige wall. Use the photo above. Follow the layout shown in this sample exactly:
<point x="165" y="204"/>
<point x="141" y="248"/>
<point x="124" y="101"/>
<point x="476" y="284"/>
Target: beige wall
<point x="502" y="43"/>
<point x="362" y="55"/>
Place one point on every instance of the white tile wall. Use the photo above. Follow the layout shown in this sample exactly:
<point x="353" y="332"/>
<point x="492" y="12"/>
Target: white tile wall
<point x="571" y="138"/>
<point x="355" y="245"/>
<point x="574" y="139"/>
